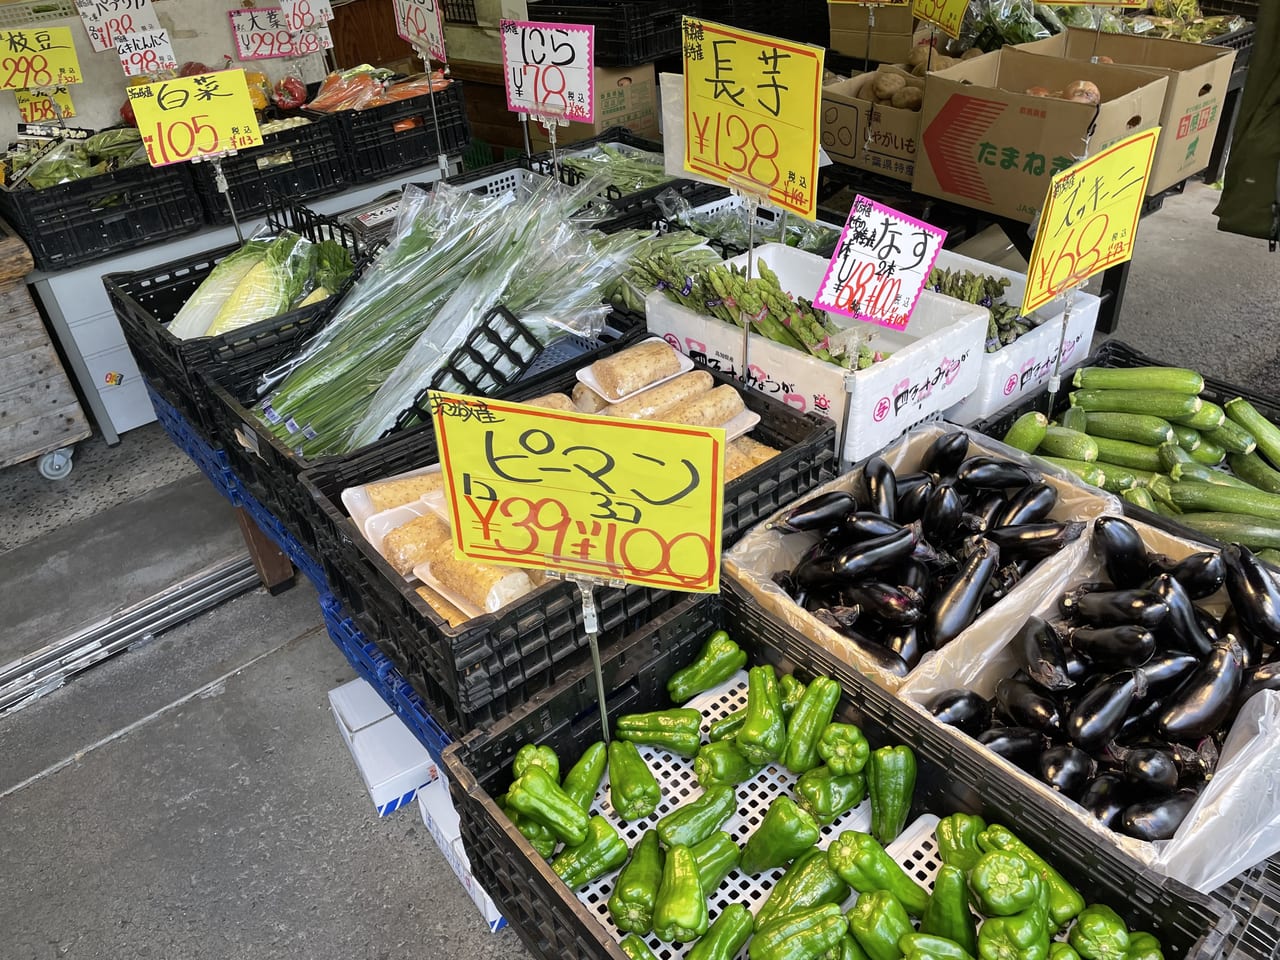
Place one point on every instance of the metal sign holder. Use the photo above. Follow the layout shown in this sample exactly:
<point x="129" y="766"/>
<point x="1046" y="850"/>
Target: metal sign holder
<point x="220" y="180"/>
<point x="591" y="623"/>
<point x="753" y="195"/>
<point x="552" y="119"/>
<point x="442" y="159"/>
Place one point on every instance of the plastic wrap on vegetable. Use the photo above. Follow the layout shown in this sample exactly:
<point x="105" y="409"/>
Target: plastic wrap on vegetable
<point x="625" y="168"/>
<point x="991" y="24"/>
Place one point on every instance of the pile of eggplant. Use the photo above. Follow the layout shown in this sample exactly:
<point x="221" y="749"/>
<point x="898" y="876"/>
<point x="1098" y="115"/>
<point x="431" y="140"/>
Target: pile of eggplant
<point x="903" y="565"/>
<point x="1123" y="703"/>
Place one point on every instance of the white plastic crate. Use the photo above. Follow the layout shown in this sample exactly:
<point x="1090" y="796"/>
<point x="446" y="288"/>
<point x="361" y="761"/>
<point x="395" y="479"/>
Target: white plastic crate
<point x="503" y="181"/>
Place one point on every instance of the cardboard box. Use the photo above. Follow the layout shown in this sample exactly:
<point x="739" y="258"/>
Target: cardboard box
<point x="625" y="97"/>
<point x="986" y="144"/>
<point x="859" y="133"/>
<point x="1198" y="76"/>
<point x="441" y="820"/>
<point x="889" y="38"/>
<point x="393" y="764"/>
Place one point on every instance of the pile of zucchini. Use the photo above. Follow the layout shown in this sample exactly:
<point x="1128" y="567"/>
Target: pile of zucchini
<point x="1146" y="434"/>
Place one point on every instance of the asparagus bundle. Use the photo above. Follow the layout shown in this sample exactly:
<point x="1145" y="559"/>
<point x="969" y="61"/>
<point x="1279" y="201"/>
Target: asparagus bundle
<point x="1006" y="324"/>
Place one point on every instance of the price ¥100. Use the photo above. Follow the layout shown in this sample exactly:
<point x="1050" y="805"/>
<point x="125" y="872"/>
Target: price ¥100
<point x="862" y="289"/>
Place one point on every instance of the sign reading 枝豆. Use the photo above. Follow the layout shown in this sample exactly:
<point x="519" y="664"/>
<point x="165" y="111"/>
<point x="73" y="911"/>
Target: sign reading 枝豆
<point x="751" y="112"/>
<point x="38" y="106"/>
<point x="105" y="20"/>
<point x="1090" y="218"/>
<point x="194" y="117"/>
<point x="41" y="57"/>
<point x="947" y="15"/>
<point x="421" y="23"/>
<point x="550" y="69"/>
<point x="631" y="500"/>
<point x="145" y="53"/>
<point x="880" y="265"/>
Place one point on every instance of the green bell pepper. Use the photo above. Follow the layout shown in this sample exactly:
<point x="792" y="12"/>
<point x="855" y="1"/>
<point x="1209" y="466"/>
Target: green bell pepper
<point x="807" y="723"/>
<point x="636" y="891"/>
<point x="678" y="730"/>
<point x="826" y="796"/>
<point x="891" y="782"/>
<point x="602" y="851"/>
<point x="878" y="922"/>
<point x="720" y="762"/>
<point x="635" y="948"/>
<point x="957" y="837"/>
<point x="803" y="935"/>
<point x="725" y="937"/>
<point x="785" y="832"/>
<point x="863" y="864"/>
<point x="680" y="914"/>
<point x="843" y="748"/>
<point x="536" y="796"/>
<point x="727" y="727"/>
<point x="1022" y="936"/>
<point x="1142" y="946"/>
<point x="1003" y="884"/>
<point x="716" y="856"/>
<point x="539" y="837"/>
<point x="1065" y="902"/>
<point x="633" y="789"/>
<point x="847" y="949"/>
<point x="948" y="914"/>
<point x="583" y="779"/>
<point x="719" y="660"/>
<point x="692" y="823"/>
<point x="920" y="945"/>
<point x="543" y="757"/>
<point x="1062" y="951"/>
<point x="791" y="692"/>
<point x="808" y="882"/>
<point x="763" y="735"/>
<point x="1100" y="934"/>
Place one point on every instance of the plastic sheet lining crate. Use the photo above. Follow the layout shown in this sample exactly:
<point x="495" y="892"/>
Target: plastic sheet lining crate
<point x="298" y="162"/>
<point x="553" y="922"/>
<point x="73" y="223"/>
<point x="627" y="31"/>
<point x="401" y="135"/>
<point x="213" y="462"/>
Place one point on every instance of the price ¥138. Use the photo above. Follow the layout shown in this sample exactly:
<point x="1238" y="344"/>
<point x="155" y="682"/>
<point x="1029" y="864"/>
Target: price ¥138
<point x="729" y="141"/>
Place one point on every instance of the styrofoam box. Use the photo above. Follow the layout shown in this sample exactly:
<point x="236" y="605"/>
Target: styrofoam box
<point x="393" y="764"/>
<point x="1024" y="365"/>
<point x="441" y="820"/>
<point x="935" y="362"/>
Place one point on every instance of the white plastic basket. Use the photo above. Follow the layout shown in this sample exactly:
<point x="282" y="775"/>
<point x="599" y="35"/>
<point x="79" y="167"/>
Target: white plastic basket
<point x="504" y="181"/>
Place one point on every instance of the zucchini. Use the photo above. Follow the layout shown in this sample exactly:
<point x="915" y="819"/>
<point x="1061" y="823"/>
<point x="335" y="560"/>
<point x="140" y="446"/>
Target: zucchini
<point x="1120" y="478"/>
<point x="1073" y="418"/>
<point x="1069" y="444"/>
<point x="1266" y="433"/>
<point x="1161" y="491"/>
<point x="1188" y="437"/>
<point x="1027" y="431"/>
<point x="1170" y="455"/>
<point x="1208" y="453"/>
<point x="1210" y="498"/>
<point x="1253" y="532"/>
<point x="1202" y="474"/>
<point x="1165" y="510"/>
<point x="1088" y="472"/>
<point x="1136" y="427"/>
<point x="1209" y="416"/>
<point x="1136" y="455"/>
<point x="1253" y="470"/>
<point x="1172" y="379"/>
<point x="1140" y="497"/>
<point x="1266" y="554"/>
<point x="1232" y="437"/>
<point x="1154" y="403"/>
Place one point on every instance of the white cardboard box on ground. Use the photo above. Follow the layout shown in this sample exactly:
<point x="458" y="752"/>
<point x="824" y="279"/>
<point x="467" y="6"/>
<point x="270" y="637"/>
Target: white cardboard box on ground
<point x="935" y="361"/>
<point x="441" y="820"/>
<point x="1022" y="367"/>
<point x="391" y="761"/>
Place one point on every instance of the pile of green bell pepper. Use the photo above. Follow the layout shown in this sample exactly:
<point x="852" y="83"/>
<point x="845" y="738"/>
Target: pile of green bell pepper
<point x="719" y="660"/>
<point x="677" y="730"/>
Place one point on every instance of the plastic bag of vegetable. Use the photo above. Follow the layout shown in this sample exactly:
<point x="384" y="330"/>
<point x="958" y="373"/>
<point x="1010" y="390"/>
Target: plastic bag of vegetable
<point x="269" y="286"/>
<point x="198" y="313"/>
<point x="627" y="168"/>
<point x="62" y="163"/>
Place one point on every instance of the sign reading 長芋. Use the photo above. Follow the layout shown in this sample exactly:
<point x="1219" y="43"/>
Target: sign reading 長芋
<point x="105" y="20"/>
<point x="193" y="117"/>
<point x="751" y="112"/>
<point x="39" y="57"/>
<point x="549" y="69"/>
<point x="421" y="23"/>
<point x="1090" y="218"/>
<point x="630" y="500"/>
<point x="946" y="15"/>
<point x="880" y="265"/>
<point x="37" y="106"/>
<point x="145" y="53"/>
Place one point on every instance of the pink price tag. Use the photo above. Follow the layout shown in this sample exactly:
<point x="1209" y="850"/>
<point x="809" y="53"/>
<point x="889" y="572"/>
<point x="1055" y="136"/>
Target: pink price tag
<point x="880" y="265"/>
<point x="549" y="69"/>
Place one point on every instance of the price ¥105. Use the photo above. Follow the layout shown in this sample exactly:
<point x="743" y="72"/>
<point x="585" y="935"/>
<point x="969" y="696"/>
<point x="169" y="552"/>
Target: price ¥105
<point x="178" y="140"/>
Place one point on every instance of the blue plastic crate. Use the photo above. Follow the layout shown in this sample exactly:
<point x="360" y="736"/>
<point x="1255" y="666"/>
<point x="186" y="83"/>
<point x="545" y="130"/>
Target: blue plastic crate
<point x="269" y="524"/>
<point x="213" y="462"/>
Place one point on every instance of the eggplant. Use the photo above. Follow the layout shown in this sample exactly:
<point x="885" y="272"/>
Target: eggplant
<point x="1198" y="707"/>
<point x="1023" y="705"/>
<point x="1180" y="628"/>
<point x="882" y="487"/>
<point x="865" y="525"/>
<point x="1032" y="504"/>
<point x="1040" y="651"/>
<point x="925" y="552"/>
<point x="877" y="653"/>
<point x="1067" y="769"/>
<point x="958" y="605"/>
<point x="944" y="455"/>
<point x="987" y="507"/>
<point x="817" y="513"/>
<point x="1167" y="670"/>
<point x="1127" y="645"/>
<point x="962" y="709"/>
<point x="816" y="573"/>
<point x="1265" y="676"/>
<point x="912" y="503"/>
<point x="988" y="473"/>
<point x="1157" y="819"/>
<point x="941" y="519"/>
<point x="1211" y="625"/>
<point x="1253" y="593"/>
<point x="1151" y="770"/>
<point x="1105" y="798"/>
<point x="1021" y="746"/>
<point x="1035" y="541"/>
<point x="1113" y="608"/>
<point x="1077" y="666"/>
<point x="1201" y="574"/>
<point x="1250" y="644"/>
<point x="860" y="559"/>
<point x="1124" y="555"/>
<point x="907" y="482"/>
<point x="1193" y="769"/>
<point x="1099" y="714"/>
<point x="907" y="641"/>
<point x="838" y="618"/>
<point x="889" y="603"/>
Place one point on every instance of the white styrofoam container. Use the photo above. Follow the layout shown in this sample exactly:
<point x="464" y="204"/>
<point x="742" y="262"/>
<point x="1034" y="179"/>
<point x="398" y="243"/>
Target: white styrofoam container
<point x="441" y="820"/>
<point x="935" y="362"/>
<point x="393" y="764"/>
<point x="1025" y="365"/>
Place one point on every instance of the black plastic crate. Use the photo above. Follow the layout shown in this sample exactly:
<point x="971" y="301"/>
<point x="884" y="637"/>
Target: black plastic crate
<point x="84" y="220"/>
<point x="385" y="140"/>
<point x="628" y="32"/>
<point x="300" y="162"/>
<point x="553" y="923"/>
<point x="1254" y="900"/>
<point x="460" y="11"/>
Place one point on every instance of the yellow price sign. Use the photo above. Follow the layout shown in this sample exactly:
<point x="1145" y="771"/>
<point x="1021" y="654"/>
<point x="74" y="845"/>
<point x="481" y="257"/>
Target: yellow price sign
<point x="42" y="57"/>
<point x="38" y="106"/>
<point x="193" y="117"/>
<point x="947" y="15"/>
<point x="630" y="500"/>
<point x="1090" y="218"/>
<point x="751" y="112"/>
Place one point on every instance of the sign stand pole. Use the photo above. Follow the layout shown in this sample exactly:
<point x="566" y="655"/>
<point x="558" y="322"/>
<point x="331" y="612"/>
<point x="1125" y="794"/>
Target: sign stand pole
<point x="524" y="129"/>
<point x="220" y="180"/>
<point x="871" y="24"/>
<point x="442" y="159"/>
<point x="551" y="118"/>
<point x="591" y="622"/>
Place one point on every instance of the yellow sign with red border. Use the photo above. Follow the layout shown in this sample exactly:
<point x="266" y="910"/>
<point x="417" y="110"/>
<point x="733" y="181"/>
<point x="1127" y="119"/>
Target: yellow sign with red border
<point x="192" y="117"/>
<point x="946" y="15"/>
<point x="38" y="57"/>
